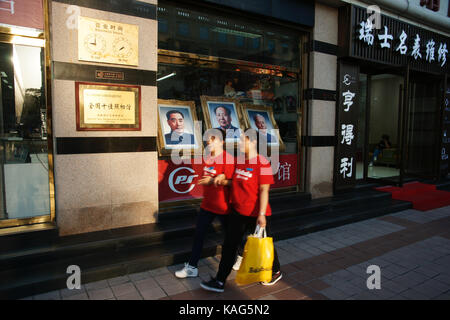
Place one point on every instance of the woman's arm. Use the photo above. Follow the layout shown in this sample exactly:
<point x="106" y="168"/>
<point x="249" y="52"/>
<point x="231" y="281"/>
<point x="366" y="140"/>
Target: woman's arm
<point x="263" y="202"/>
<point x="221" y="180"/>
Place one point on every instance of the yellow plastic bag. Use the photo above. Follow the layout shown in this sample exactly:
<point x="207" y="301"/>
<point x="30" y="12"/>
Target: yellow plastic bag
<point x="256" y="265"/>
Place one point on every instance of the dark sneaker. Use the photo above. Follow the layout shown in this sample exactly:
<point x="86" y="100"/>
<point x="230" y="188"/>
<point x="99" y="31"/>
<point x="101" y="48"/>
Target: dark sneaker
<point x="275" y="278"/>
<point x="212" y="285"/>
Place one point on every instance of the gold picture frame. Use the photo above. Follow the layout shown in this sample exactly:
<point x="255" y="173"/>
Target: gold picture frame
<point x="249" y="111"/>
<point x="166" y="134"/>
<point x="210" y="103"/>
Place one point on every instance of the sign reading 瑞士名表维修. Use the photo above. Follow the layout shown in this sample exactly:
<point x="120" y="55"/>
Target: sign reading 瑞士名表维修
<point x="108" y="41"/>
<point x="379" y="38"/>
<point x="107" y="107"/>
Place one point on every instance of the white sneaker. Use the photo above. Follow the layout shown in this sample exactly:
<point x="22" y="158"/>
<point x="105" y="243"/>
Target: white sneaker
<point x="187" y="271"/>
<point x="237" y="264"/>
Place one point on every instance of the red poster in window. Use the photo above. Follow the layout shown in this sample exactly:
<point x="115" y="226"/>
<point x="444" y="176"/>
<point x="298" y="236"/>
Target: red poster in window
<point x="179" y="182"/>
<point x="286" y="175"/>
<point x="23" y="13"/>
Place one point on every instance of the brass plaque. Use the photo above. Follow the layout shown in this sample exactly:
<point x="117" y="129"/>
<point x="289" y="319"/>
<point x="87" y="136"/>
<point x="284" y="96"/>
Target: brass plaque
<point x="108" y="107"/>
<point x="108" y="42"/>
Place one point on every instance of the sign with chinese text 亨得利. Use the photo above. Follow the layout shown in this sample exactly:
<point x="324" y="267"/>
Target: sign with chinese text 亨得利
<point x="383" y="39"/>
<point x="346" y="132"/>
<point x="107" y="107"/>
<point x="108" y="41"/>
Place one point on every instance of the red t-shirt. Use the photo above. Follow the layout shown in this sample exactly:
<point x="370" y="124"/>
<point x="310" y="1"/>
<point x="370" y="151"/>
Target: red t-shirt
<point x="217" y="199"/>
<point x="247" y="178"/>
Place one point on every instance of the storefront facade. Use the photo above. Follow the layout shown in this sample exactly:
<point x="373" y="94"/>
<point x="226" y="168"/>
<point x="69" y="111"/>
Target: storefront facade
<point x="84" y="141"/>
<point x="106" y="70"/>
<point x="392" y="83"/>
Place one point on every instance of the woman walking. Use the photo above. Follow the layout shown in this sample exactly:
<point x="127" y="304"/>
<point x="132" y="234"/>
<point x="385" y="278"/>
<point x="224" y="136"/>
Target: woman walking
<point x="250" y="206"/>
<point x="215" y="202"/>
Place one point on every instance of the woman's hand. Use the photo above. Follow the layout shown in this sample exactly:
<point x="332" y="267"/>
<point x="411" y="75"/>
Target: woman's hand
<point x="220" y="180"/>
<point x="205" y="180"/>
<point x="261" y="221"/>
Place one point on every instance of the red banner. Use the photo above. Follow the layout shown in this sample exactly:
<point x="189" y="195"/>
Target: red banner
<point x="179" y="182"/>
<point x="22" y="13"/>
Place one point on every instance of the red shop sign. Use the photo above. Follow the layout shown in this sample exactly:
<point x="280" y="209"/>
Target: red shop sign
<point x="179" y="182"/>
<point x="22" y="13"/>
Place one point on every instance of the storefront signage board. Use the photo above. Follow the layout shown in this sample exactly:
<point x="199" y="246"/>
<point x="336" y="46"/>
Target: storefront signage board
<point x="107" y="107"/>
<point x="108" y="42"/>
<point x="346" y="126"/>
<point x="391" y="41"/>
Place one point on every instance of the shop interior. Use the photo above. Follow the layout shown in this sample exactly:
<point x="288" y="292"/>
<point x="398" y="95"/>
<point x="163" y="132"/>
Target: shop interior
<point x="24" y="176"/>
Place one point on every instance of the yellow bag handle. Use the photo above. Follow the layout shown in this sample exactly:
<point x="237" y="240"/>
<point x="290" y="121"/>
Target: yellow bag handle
<point x="260" y="232"/>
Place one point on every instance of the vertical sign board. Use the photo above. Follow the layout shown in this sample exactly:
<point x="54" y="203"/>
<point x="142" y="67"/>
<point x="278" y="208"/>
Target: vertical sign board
<point x="346" y="127"/>
<point x="445" y="151"/>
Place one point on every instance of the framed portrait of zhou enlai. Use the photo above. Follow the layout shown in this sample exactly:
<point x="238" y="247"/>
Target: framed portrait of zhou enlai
<point x="261" y="119"/>
<point x="224" y="114"/>
<point x="176" y="128"/>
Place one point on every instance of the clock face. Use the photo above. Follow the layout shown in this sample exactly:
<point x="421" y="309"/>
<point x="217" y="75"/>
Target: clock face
<point x="95" y="43"/>
<point x="122" y="48"/>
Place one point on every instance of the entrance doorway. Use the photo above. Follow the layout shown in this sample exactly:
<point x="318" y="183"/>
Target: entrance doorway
<point x="397" y="141"/>
<point x="379" y="143"/>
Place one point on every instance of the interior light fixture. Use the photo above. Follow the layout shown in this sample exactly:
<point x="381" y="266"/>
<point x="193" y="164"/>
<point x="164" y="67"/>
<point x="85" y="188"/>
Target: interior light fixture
<point x="166" y="77"/>
<point x="237" y="33"/>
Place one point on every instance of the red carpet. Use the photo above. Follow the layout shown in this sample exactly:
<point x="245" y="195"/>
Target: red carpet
<point x="423" y="196"/>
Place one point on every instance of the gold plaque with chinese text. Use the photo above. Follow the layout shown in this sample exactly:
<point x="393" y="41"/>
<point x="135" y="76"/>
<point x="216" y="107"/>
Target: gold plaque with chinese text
<point x="107" y="107"/>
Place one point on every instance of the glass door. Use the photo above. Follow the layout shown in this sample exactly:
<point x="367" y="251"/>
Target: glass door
<point x="422" y="134"/>
<point x="383" y="134"/>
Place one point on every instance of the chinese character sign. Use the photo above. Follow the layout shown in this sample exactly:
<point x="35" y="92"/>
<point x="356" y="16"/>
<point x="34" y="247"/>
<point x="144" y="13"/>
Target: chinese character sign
<point x="345" y="151"/>
<point x="393" y="41"/>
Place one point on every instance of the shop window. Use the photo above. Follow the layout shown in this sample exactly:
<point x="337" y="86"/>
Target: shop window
<point x="24" y="145"/>
<point x="224" y="37"/>
<point x="229" y="67"/>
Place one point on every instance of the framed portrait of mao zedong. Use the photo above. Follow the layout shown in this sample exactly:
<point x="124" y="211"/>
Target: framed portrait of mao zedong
<point x="223" y="114"/>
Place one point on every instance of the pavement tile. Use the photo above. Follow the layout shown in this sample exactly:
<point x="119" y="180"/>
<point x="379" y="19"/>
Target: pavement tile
<point x="292" y="293"/>
<point x="153" y="293"/>
<point x="118" y="280"/>
<point x="53" y="295"/>
<point x="393" y="286"/>
<point x="167" y="279"/>
<point x="123" y="289"/>
<point x="411" y="279"/>
<point x="100" y="294"/>
<point x="317" y="285"/>
<point x="131" y="296"/>
<point x="146" y="284"/>
<point x="79" y="296"/>
<point x="191" y="283"/>
<point x="159" y="272"/>
<point x="268" y="297"/>
<point x="432" y="288"/>
<point x="172" y="289"/>
<point x="139" y="276"/>
<point x="334" y="293"/>
<point x="97" y="285"/>
<point x="442" y="278"/>
<point x="65" y="293"/>
<point x="412" y="294"/>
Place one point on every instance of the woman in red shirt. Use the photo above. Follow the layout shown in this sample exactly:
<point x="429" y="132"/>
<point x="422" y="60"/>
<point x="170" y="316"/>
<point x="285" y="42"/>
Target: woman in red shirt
<point x="215" y="202"/>
<point x="250" y="186"/>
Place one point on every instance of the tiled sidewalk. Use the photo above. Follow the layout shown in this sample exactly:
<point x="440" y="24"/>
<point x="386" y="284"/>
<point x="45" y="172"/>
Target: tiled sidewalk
<point x="412" y="249"/>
